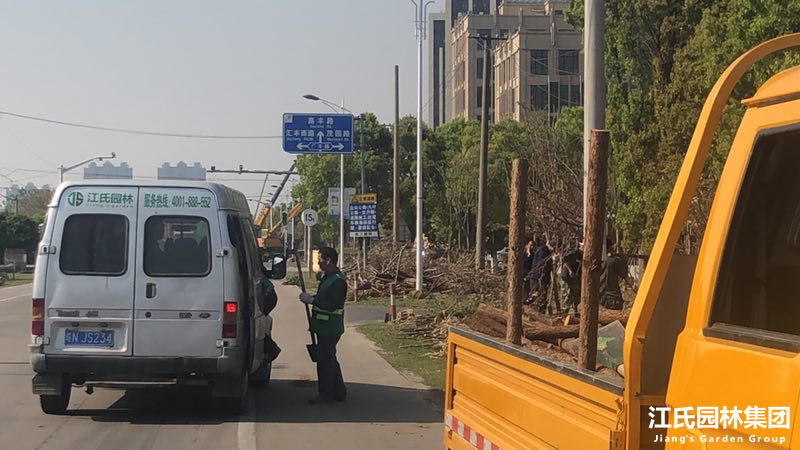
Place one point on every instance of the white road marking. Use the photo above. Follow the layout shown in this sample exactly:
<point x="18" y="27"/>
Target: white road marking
<point x="246" y="432"/>
<point x="12" y="298"/>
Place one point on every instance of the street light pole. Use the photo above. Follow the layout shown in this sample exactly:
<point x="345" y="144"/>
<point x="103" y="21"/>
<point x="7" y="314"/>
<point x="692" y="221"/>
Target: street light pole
<point x="421" y="9"/>
<point x="62" y="170"/>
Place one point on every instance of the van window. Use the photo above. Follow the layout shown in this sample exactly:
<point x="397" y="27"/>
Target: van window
<point x="177" y="246"/>
<point x="94" y="244"/>
<point x="759" y="278"/>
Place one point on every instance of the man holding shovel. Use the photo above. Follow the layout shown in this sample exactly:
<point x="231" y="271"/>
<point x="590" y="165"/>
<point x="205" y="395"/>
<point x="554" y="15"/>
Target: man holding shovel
<point x="327" y="322"/>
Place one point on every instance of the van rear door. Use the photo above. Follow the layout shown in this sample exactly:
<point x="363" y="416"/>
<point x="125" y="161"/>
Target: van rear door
<point x="90" y="272"/>
<point x="179" y="281"/>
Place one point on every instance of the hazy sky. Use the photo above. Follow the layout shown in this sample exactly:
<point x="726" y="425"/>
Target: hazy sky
<point x="206" y="67"/>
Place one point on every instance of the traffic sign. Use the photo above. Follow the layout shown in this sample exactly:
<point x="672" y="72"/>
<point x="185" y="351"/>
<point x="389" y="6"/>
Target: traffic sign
<point x="364" y="215"/>
<point x="309" y="217"/>
<point x="318" y="133"/>
<point x="333" y="201"/>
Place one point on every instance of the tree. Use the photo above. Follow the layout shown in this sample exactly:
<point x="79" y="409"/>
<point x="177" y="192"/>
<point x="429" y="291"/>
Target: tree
<point x="318" y="172"/>
<point x="662" y="58"/>
<point x="18" y="231"/>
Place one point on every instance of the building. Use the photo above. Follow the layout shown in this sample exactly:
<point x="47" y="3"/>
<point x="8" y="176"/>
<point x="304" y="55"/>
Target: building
<point x="440" y="76"/>
<point x="533" y="29"/>
<point x="539" y="67"/>
<point x="181" y="171"/>
<point x="108" y="171"/>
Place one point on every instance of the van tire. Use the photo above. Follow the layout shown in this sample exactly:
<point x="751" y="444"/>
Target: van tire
<point x="231" y="405"/>
<point x="56" y="404"/>
<point x="260" y="378"/>
<point x="235" y="404"/>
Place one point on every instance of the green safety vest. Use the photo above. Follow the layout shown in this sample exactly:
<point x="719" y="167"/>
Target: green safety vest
<point x="324" y="322"/>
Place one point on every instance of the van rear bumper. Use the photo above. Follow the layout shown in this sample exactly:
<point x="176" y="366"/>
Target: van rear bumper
<point x="230" y="363"/>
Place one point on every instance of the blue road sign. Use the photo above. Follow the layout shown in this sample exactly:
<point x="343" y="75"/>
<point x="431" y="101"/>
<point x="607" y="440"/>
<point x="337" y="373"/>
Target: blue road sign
<point x="363" y="220"/>
<point x="318" y="133"/>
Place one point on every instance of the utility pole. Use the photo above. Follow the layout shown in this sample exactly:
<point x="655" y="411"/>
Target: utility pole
<point x="395" y="193"/>
<point x="480" y="262"/>
<point x="363" y="117"/>
<point x="422" y="8"/>
<point x="595" y="91"/>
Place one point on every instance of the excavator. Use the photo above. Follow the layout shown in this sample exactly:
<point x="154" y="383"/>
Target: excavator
<point x="266" y="237"/>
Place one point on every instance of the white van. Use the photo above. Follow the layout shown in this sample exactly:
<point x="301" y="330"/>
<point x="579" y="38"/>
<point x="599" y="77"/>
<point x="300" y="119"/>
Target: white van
<point x="139" y="283"/>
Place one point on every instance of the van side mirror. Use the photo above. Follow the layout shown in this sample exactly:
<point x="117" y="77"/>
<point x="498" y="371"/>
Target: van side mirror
<point x="276" y="267"/>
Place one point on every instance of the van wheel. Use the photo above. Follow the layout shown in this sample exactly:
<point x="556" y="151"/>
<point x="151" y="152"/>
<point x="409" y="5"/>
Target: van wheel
<point x="231" y="405"/>
<point x="260" y="378"/>
<point x="234" y="404"/>
<point x="56" y="404"/>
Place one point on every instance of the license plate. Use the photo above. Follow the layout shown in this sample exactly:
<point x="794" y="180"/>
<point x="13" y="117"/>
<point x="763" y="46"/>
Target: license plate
<point x="101" y="338"/>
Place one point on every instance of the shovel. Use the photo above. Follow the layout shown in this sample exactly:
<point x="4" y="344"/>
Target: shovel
<point x="312" y="347"/>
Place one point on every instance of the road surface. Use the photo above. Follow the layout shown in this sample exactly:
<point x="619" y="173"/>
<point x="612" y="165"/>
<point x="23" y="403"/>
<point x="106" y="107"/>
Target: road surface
<point x="385" y="410"/>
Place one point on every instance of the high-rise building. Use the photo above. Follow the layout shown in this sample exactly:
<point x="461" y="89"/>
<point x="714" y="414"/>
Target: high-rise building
<point x="108" y="171"/>
<point x="539" y="56"/>
<point x="539" y="67"/>
<point x="440" y="77"/>
<point x="181" y="171"/>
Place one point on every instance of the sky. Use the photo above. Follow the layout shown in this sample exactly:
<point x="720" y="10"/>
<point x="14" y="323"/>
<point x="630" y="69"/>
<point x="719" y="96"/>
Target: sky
<point x="197" y="67"/>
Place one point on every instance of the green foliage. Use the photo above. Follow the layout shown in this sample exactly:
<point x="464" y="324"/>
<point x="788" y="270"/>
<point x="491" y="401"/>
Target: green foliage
<point x="661" y="60"/>
<point x="317" y="173"/>
<point x="18" y="231"/>
<point x="450" y="170"/>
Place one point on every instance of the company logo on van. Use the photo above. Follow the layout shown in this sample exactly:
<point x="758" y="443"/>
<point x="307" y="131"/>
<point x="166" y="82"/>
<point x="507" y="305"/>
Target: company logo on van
<point x="75" y="199"/>
<point x="101" y="199"/>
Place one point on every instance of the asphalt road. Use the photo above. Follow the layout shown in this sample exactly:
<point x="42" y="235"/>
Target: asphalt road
<point x="385" y="410"/>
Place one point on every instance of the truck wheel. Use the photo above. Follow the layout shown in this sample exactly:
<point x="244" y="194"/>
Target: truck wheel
<point x="56" y="404"/>
<point x="260" y="378"/>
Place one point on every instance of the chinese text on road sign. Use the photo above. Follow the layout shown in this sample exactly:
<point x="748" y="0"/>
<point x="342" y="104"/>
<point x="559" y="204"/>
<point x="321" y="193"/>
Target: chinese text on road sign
<point x="318" y="133"/>
<point x="364" y="216"/>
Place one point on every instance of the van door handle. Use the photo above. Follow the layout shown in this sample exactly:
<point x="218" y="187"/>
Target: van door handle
<point x="151" y="290"/>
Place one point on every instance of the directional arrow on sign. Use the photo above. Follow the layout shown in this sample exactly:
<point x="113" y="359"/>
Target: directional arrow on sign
<point x="338" y="146"/>
<point x="320" y="135"/>
<point x="302" y="146"/>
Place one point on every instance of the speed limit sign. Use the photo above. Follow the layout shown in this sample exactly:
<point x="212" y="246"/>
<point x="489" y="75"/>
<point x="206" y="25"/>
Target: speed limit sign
<point x="309" y="218"/>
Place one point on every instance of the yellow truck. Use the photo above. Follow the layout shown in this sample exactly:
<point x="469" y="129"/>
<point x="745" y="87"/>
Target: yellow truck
<point x="712" y="346"/>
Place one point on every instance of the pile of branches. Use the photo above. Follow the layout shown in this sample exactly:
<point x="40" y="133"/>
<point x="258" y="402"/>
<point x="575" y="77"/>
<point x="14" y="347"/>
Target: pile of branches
<point x="444" y="271"/>
<point x="535" y="325"/>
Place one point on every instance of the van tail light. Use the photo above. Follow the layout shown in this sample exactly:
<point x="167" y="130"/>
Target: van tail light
<point x="37" y="317"/>
<point x="229" y="319"/>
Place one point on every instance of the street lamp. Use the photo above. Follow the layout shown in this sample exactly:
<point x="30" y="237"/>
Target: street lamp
<point x="421" y="30"/>
<point x="332" y="106"/>
<point x="62" y="170"/>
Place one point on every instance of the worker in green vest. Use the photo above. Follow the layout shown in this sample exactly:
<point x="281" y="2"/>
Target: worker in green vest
<point x="327" y="321"/>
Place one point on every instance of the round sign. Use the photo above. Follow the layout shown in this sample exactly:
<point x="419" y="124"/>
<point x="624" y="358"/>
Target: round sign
<point x="310" y="218"/>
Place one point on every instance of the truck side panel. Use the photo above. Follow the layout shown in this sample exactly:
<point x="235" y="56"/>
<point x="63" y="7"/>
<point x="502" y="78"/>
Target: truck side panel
<point x="515" y="399"/>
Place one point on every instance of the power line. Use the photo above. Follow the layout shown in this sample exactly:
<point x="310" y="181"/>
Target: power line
<point x="141" y="132"/>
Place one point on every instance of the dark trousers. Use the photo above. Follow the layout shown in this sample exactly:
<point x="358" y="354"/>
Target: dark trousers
<point x="329" y="374"/>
